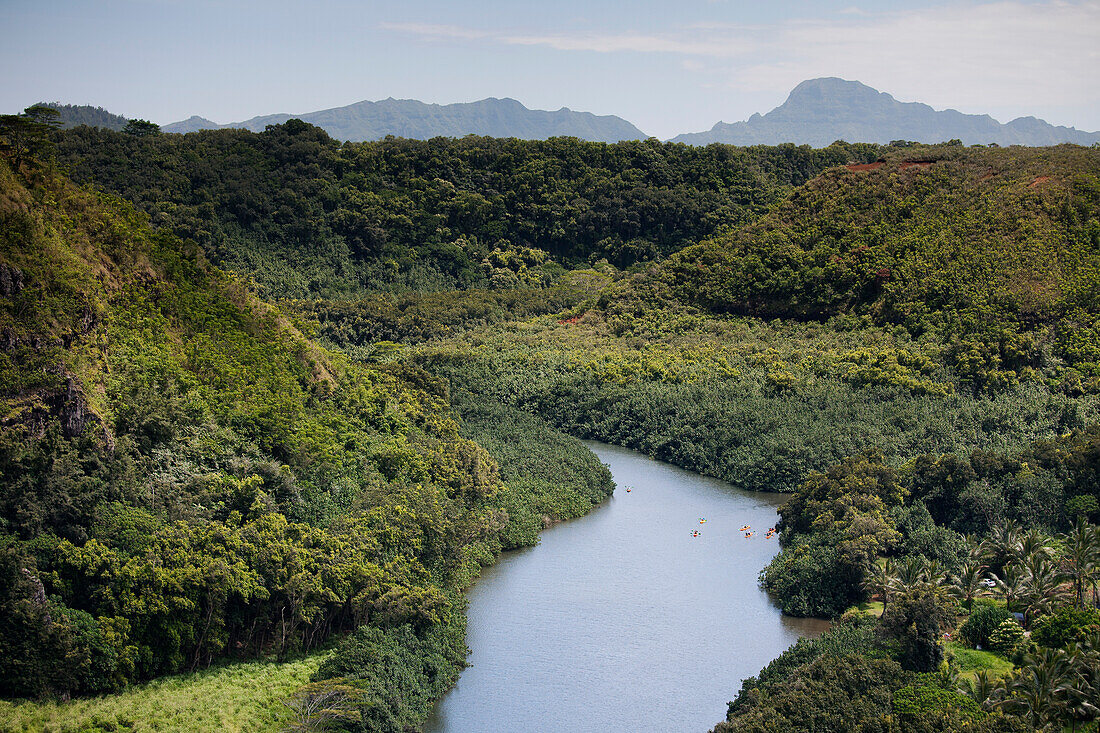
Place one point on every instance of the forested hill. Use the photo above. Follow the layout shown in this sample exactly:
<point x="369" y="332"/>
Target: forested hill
<point x="74" y="115"/>
<point x="945" y="238"/>
<point x="414" y="119"/>
<point x="306" y="216"/>
<point x="819" y="111"/>
<point x="185" y="476"/>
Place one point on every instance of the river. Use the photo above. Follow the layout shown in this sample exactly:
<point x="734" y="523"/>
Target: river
<point x="622" y="620"/>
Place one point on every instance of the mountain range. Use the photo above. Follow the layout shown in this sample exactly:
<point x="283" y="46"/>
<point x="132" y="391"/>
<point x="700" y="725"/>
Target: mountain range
<point x="817" y="112"/>
<point x="414" y="119"/>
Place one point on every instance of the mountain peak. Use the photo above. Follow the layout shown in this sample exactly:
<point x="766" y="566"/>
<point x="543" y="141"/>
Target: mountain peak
<point x="833" y="88"/>
<point x="820" y="111"/>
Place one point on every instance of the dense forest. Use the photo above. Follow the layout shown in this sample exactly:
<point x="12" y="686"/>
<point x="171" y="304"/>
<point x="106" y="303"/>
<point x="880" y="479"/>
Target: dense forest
<point x="305" y="216"/>
<point x="265" y="393"/>
<point x="186" y="476"/>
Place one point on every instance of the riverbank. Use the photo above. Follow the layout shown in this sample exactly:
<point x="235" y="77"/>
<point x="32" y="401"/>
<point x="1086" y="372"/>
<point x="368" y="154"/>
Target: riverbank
<point x="624" y="612"/>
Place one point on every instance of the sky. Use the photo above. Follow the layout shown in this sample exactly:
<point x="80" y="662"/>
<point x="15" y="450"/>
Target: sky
<point x="667" y="66"/>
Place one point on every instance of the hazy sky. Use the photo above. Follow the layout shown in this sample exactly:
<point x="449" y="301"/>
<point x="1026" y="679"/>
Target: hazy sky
<point x="668" y="66"/>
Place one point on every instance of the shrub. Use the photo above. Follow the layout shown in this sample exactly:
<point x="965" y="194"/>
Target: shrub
<point x="914" y="702"/>
<point x="1065" y="626"/>
<point x="1005" y="637"/>
<point x="983" y="620"/>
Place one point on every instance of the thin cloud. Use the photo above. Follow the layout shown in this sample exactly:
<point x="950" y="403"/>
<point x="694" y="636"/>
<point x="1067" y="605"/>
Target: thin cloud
<point x="977" y="54"/>
<point x="638" y="43"/>
<point x="431" y="30"/>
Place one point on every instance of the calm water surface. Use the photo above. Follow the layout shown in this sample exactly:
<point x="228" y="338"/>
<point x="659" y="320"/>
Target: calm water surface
<point x="622" y="620"/>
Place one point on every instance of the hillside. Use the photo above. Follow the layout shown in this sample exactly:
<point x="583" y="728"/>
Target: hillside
<point x="185" y="476"/>
<point x="819" y="111"/>
<point x="307" y="217"/>
<point x="85" y="114"/>
<point x="906" y="338"/>
<point x="410" y="118"/>
<point x="943" y="239"/>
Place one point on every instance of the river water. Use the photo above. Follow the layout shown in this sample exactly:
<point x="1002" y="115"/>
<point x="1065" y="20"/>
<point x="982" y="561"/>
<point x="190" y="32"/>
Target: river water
<point x="622" y="620"/>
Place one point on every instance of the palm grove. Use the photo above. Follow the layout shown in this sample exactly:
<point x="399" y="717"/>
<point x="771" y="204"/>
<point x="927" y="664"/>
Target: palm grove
<point x="193" y="470"/>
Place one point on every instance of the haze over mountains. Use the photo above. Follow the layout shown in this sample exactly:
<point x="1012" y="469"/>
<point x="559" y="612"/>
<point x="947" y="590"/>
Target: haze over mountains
<point x="413" y="119"/>
<point x="817" y="112"/>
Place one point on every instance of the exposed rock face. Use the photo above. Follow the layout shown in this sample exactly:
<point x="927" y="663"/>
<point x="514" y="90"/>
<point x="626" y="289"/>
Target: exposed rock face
<point x="11" y="280"/>
<point x="73" y="410"/>
<point x="38" y="592"/>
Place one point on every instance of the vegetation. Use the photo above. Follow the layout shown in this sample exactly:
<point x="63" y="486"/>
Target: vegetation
<point x="239" y="697"/>
<point x="1047" y="681"/>
<point x="191" y="476"/>
<point x="75" y="115"/>
<point x="187" y="478"/>
<point x="305" y="216"/>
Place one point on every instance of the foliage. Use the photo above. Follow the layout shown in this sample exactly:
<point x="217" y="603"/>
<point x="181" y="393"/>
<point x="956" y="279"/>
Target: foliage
<point x="832" y="530"/>
<point x="25" y="137"/>
<point x="981" y="623"/>
<point x="856" y="636"/>
<point x="1006" y="637"/>
<point x="141" y="128"/>
<point x="760" y="405"/>
<point x="394" y="676"/>
<point x="243" y="696"/>
<point x="857" y="692"/>
<point x="894" y="243"/>
<point x="921" y="704"/>
<point x="548" y="476"/>
<point x="915" y="623"/>
<point x="187" y="477"/>
<point x="306" y="217"/>
<point x="1066" y="625"/>
<point x="73" y="115"/>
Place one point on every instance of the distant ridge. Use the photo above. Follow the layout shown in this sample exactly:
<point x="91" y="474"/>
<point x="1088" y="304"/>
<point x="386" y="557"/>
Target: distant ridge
<point x="413" y="119"/>
<point x="820" y="111"/>
<point x="73" y="115"/>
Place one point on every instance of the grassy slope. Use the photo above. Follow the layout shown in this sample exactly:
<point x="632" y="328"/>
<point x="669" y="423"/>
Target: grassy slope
<point x="236" y="698"/>
<point x="972" y="661"/>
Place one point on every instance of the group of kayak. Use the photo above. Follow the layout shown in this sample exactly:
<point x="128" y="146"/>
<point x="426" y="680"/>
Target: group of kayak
<point x="746" y="529"/>
<point x="703" y="520"/>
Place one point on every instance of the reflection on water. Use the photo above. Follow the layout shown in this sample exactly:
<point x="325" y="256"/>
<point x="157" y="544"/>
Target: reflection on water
<point x="624" y="619"/>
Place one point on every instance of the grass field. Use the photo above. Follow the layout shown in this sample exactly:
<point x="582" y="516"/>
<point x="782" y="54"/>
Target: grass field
<point x="237" y="698"/>
<point x="972" y="661"/>
<point x="872" y="608"/>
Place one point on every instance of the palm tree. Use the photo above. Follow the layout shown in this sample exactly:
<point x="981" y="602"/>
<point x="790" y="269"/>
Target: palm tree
<point x="1039" y="689"/>
<point x="1002" y="544"/>
<point x="910" y="572"/>
<point x="1081" y="559"/>
<point x="1011" y="584"/>
<point x="880" y="580"/>
<point x="984" y="689"/>
<point x="1083" y="686"/>
<point x="966" y="584"/>
<point x="975" y="547"/>
<point x="1034" y="543"/>
<point x="1043" y="586"/>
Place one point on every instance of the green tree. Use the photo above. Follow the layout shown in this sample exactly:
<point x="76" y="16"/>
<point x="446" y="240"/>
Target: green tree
<point x="915" y="622"/>
<point x="141" y="128"/>
<point x="1080" y="560"/>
